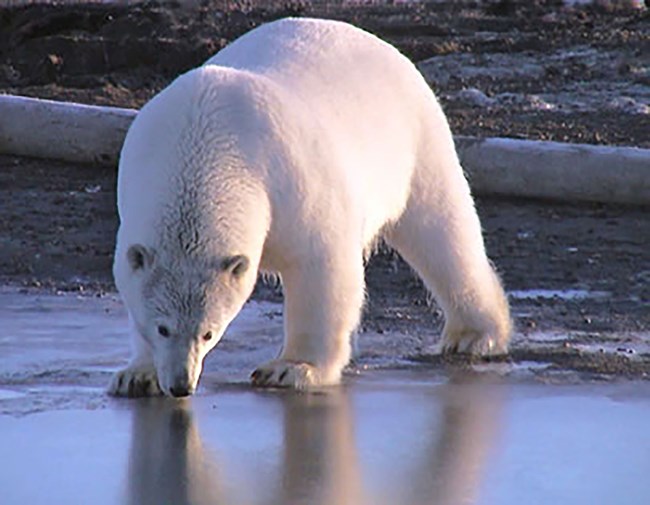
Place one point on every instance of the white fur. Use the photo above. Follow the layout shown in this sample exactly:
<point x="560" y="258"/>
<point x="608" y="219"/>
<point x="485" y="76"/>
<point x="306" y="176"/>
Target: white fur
<point x="297" y="146"/>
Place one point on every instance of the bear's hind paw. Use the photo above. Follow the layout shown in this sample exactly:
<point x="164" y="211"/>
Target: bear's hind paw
<point x="286" y="374"/>
<point x="135" y="382"/>
<point x="472" y="343"/>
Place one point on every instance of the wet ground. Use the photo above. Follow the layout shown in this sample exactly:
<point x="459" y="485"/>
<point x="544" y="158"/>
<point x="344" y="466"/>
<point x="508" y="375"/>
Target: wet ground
<point x="396" y="431"/>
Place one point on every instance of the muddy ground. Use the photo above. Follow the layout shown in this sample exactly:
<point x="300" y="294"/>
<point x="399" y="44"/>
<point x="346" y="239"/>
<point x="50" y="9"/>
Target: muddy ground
<point x="58" y="221"/>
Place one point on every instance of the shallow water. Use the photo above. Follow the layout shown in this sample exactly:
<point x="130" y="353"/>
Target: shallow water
<point x="380" y="441"/>
<point x="390" y="435"/>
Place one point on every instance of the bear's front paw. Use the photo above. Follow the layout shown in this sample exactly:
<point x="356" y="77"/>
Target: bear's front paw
<point x="286" y="374"/>
<point x="135" y="381"/>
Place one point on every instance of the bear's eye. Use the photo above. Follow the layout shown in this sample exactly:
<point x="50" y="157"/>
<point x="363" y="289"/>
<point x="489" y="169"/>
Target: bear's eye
<point x="163" y="331"/>
<point x="207" y="336"/>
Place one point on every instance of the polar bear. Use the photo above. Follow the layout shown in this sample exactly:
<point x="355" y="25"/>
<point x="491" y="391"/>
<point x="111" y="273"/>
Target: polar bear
<point x="292" y="151"/>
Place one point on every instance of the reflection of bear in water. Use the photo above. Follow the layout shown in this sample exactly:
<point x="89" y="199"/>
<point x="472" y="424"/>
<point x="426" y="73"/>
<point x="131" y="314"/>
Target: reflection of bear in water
<point x="292" y="151"/>
<point x="168" y="463"/>
<point x="318" y="449"/>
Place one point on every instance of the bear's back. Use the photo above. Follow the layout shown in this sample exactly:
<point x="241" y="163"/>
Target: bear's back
<point x="316" y="58"/>
<point x="302" y="45"/>
<point x="349" y="92"/>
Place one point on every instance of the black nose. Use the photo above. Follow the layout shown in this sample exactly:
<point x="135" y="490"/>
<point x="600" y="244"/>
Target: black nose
<point x="179" y="391"/>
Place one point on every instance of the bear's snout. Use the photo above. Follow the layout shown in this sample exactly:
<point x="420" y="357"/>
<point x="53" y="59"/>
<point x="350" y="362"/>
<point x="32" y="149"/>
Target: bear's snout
<point x="178" y="384"/>
<point x="179" y="369"/>
<point x="181" y="387"/>
<point x="180" y="390"/>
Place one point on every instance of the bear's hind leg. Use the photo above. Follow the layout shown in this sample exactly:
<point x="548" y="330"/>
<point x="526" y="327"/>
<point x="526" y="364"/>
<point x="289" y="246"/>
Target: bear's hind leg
<point x="439" y="235"/>
<point x="323" y="302"/>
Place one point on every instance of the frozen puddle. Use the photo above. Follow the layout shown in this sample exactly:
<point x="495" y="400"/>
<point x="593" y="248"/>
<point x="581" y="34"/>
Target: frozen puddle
<point x="393" y="435"/>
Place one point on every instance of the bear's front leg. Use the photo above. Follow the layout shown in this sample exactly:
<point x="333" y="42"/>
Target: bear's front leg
<point x="139" y="378"/>
<point x="322" y="307"/>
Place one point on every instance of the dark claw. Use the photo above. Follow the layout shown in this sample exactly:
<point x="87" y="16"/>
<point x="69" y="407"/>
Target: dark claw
<point x="138" y="387"/>
<point x="120" y="382"/>
<point x="260" y="377"/>
<point x="131" y="390"/>
<point x="265" y="377"/>
<point x="450" y="350"/>
<point x="283" y="375"/>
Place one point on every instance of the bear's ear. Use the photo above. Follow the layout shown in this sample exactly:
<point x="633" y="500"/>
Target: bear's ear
<point x="139" y="257"/>
<point x="235" y="265"/>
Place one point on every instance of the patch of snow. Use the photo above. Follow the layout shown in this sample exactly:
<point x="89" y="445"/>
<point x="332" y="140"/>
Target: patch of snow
<point x="524" y="101"/>
<point x="560" y="294"/>
<point x="7" y="394"/>
<point x="628" y="105"/>
<point x="475" y="97"/>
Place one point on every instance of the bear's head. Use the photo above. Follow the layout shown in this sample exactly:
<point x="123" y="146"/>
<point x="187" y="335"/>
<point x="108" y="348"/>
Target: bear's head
<point x="182" y="306"/>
